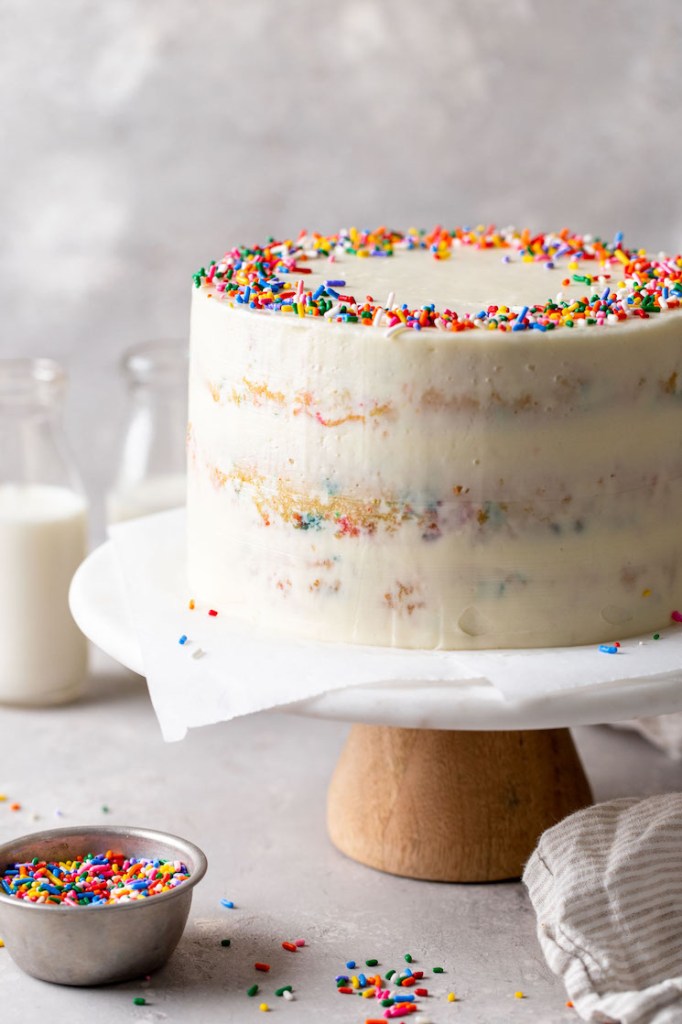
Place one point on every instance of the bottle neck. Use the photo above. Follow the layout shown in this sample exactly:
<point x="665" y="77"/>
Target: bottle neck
<point x="153" y="447"/>
<point x="34" y="449"/>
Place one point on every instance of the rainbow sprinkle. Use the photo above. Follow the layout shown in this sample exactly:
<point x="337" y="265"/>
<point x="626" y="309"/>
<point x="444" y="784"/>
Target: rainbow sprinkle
<point x="389" y="992"/>
<point x="621" y="283"/>
<point x="92" y="880"/>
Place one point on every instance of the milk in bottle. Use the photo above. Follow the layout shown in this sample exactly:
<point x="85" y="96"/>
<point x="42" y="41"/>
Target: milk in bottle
<point x="43" y="539"/>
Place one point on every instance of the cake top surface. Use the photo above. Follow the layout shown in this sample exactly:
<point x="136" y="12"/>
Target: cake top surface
<point x="449" y="280"/>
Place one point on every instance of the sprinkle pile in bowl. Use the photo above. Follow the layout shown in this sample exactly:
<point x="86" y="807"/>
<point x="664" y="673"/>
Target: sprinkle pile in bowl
<point x="78" y="918"/>
<point x="92" y="879"/>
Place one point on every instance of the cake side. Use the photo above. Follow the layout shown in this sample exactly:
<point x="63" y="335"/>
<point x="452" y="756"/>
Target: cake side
<point x="434" y="489"/>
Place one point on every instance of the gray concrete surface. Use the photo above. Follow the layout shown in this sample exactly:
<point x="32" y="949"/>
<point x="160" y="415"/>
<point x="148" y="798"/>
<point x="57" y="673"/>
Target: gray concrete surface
<point x="252" y="794"/>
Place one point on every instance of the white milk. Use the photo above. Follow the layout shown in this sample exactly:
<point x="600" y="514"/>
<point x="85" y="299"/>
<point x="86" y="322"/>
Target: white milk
<point x="141" y="499"/>
<point x="43" y="539"/>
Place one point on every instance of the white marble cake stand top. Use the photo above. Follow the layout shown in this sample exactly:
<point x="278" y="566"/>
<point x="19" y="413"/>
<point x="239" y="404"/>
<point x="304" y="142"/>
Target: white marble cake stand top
<point x="99" y="605"/>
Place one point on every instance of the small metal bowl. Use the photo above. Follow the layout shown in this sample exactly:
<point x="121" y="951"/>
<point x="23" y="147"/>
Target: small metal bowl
<point x="104" y="943"/>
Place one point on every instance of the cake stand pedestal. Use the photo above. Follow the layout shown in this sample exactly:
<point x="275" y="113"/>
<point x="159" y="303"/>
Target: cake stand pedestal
<point x="441" y="781"/>
<point x="451" y="806"/>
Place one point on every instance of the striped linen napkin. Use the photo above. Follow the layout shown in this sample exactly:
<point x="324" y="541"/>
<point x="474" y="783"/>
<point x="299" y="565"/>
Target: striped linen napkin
<point x="606" y="885"/>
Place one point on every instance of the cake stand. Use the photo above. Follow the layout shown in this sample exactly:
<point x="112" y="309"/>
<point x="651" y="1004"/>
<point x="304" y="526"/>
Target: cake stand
<point x="448" y="783"/>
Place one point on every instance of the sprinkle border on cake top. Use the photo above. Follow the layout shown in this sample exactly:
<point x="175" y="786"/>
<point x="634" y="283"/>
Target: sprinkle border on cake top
<point x="623" y="283"/>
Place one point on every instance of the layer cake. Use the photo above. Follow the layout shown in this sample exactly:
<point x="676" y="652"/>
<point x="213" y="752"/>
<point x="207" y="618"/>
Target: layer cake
<point x="462" y="439"/>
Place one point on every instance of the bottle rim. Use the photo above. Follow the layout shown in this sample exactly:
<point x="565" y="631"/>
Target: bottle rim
<point x="31" y="379"/>
<point x="155" y="362"/>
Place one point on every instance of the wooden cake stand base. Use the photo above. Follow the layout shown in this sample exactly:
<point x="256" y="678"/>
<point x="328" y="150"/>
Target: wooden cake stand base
<point x="451" y="806"/>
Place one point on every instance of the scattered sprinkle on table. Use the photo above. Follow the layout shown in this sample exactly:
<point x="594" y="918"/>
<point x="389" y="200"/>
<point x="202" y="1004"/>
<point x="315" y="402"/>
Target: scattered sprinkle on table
<point x="212" y="612"/>
<point x="252" y="990"/>
<point x="519" y="995"/>
<point x="92" y="879"/>
<point x="288" y="994"/>
<point x="225" y="942"/>
<point x="371" y="963"/>
<point x="290" y="947"/>
<point x="1" y="943"/>
<point x="261" y="967"/>
<point x="299" y="942"/>
<point x="140" y="1001"/>
<point x="452" y="998"/>
<point x="264" y="1007"/>
<point x="227" y="903"/>
<point x="408" y="958"/>
<point x="608" y="649"/>
<point x="437" y="970"/>
<point x="283" y="990"/>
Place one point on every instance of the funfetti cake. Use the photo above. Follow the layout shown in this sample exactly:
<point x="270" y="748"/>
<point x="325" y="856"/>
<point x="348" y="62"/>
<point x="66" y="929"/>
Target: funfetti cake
<point x="466" y="439"/>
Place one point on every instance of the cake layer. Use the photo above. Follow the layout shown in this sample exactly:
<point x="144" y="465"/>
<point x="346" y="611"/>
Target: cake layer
<point x="441" y="487"/>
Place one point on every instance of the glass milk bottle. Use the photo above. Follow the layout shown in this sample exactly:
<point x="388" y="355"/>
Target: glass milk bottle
<point x="43" y="539"/>
<point x="151" y="473"/>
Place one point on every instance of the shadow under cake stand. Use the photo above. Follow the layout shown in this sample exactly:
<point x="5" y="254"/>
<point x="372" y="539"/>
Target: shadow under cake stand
<point x="449" y="783"/>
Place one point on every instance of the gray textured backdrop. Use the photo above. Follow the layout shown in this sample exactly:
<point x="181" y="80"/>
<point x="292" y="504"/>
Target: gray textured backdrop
<point x="140" y="138"/>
